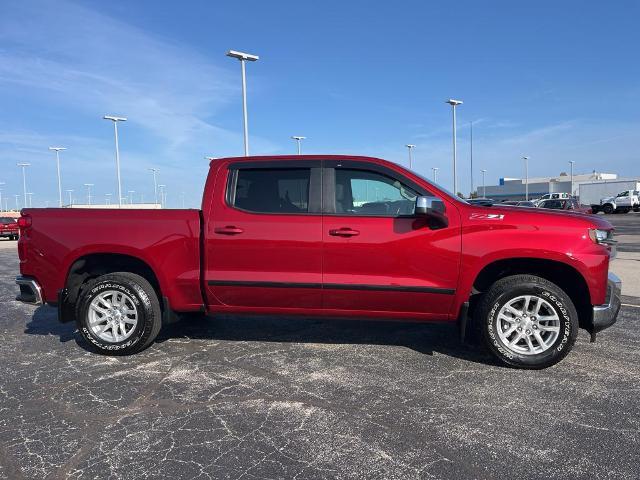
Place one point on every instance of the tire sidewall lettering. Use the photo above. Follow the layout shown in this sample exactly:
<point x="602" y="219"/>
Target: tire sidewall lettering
<point x="557" y="304"/>
<point x="142" y="303"/>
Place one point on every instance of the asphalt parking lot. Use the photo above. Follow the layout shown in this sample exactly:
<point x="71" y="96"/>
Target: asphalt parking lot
<point x="264" y="397"/>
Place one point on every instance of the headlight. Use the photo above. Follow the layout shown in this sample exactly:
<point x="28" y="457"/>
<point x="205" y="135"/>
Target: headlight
<point x="598" y="236"/>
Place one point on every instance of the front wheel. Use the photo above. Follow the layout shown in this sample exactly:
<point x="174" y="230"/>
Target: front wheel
<point x="528" y="322"/>
<point x="118" y="313"/>
<point x="608" y="209"/>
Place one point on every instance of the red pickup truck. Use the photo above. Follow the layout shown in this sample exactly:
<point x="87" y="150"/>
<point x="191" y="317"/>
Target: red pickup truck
<point x="325" y="235"/>
<point x="9" y="228"/>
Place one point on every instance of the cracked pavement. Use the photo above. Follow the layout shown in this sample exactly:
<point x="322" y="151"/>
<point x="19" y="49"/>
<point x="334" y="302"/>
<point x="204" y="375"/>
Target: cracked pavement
<point x="267" y="398"/>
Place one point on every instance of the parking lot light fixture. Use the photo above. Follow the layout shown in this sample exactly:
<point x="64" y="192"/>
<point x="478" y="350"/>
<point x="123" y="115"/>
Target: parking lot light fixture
<point x="162" y="195"/>
<point x="526" y="177"/>
<point x="454" y="104"/>
<point x="244" y="57"/>
<point x="88" y="185"/>
<point x="298" y="140"/>
<point x="24" y="180"/>
<point x="571" y="162"/>
<point x="107" y="198"/>
<point x="155" y="183"/>
<point x="435" y="174"/>
<point x="484" y="188"/>
<point x="115" y="121"/>
<point x="70" y="198"/>
<point x="58" y="150"/>
<point x="410" y="147"/>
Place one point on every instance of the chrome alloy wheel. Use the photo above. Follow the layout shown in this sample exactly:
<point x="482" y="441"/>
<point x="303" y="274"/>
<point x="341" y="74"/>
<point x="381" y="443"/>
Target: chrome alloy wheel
<point x="528" y="325"/>
<point x="113" y="316"/>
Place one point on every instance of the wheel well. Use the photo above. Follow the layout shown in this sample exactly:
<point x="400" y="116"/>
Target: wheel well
<point x="563" y="275"/>
<point x="91" y="266"/>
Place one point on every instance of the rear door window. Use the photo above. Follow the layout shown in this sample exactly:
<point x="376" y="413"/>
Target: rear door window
<point x="275" y="190"/>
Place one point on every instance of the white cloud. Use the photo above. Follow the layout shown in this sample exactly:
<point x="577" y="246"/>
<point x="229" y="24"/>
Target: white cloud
<point x="80" y="64"/>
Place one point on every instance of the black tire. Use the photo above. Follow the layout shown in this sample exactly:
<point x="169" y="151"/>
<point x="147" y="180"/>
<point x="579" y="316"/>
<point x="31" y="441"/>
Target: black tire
<point x="608" y="209"/>
<point x="509" y="288"/>
<point x="145" y="302"/>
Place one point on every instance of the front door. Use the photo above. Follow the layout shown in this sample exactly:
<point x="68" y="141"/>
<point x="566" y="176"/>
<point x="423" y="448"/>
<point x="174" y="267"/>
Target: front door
<point x="264" y="240"/>
<point x="379" y="257"/>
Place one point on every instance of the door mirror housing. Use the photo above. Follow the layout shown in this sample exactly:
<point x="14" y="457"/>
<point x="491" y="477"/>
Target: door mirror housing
<point x="429" y="207"/>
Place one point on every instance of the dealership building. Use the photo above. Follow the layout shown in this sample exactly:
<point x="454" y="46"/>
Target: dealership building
<point x="514" y="188"/>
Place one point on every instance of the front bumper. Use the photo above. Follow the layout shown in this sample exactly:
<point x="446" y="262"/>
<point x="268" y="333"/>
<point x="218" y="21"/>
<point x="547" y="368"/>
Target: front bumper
<point x="606" y="315"/>
<point x="30" y="291"/>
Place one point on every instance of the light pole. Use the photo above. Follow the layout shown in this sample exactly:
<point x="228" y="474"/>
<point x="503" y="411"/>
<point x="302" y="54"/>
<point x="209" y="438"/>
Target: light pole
<point x="58" y="150"/>
<point x="298" y="140"/>
<point x="471" y="153"/>
<point x="244" y="57"/>
<point x="484" y="188"/>
<point x="88" y="185"/>
<point x="410" y="147"/>
<point x="131" y="192"/>
<point x="162" y="198"/>
<point x="1" y="184"/>
<point x="115" y="121"/>
<point x="155" y="183"/>
<point x="17" y="203"/>
<point x="572" y="162"/>
<point x="454" y="104"/>
<point x="24" y="180"/>
<point x="435" y="174"/>
<point x="30" y="197"/>
<point x="107" y="198"/>
<point x="70" y="199"/>
<point x="526" y="177"/>
<point x="182" y="198"/>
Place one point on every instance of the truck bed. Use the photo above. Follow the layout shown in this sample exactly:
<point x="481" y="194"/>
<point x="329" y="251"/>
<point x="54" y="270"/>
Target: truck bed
<point x="168" y="241"/>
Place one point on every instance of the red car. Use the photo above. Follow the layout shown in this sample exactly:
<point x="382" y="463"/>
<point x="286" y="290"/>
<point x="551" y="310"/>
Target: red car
<point x="326" y="235"/>
<point x="9" y="228"/>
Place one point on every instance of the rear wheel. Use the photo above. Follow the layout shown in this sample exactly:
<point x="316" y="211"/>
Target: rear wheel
<point x="528" y="322"/>
<point x="118" y="313"/>
<point x="608" y="209"/>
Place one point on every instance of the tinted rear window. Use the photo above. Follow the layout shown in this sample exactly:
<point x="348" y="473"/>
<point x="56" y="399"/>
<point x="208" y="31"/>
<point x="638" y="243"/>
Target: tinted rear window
<point x="277" y="190"/>
<point x="6" y="220"/>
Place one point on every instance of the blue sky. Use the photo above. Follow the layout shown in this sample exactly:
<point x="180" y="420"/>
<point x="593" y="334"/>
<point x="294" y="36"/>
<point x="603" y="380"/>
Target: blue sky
<point x="555" y="80"/>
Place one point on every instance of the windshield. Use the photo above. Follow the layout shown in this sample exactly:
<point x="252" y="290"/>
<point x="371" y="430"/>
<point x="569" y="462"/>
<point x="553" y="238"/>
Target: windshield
<point x="437" y="185"/>
<point x="7" y="220"/>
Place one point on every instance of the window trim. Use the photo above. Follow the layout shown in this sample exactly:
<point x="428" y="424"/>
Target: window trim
<point x="329" y="185"/>
<point x="315" y="182"/>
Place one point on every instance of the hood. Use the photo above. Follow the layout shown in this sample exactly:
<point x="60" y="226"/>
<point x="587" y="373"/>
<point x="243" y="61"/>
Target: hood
<point x="537" y="216"/>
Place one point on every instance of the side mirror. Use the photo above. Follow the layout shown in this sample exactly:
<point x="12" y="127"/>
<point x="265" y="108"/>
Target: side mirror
<point x="429" y="206"/>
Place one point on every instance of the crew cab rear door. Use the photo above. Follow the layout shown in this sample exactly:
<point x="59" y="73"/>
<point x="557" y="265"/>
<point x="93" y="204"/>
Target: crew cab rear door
<point x="378" y="256"/>
<point x="263" y="244"/>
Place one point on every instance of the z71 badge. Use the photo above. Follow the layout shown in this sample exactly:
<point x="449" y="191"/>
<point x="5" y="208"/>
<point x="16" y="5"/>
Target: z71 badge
<point x="486" y="216"/>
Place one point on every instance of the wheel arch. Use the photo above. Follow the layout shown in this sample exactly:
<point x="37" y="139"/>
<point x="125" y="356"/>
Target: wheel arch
<point x="93" y="265"/>
<point x="567" y="277"/>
